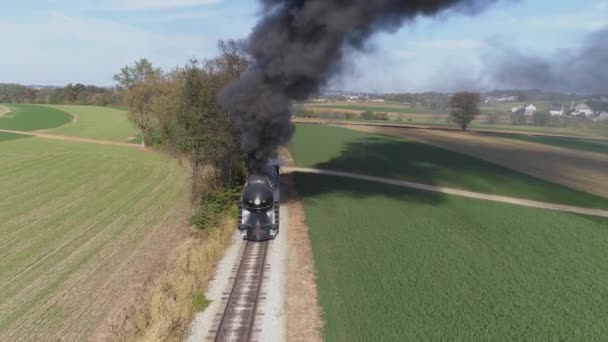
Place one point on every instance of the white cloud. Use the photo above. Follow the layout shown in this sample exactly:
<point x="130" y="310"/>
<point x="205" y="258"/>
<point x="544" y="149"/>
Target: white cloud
<point x="160" y="4"/>
<point x="449" y="44"/>
<point x="62" y="48"/>
<point x="575" y="21"/>
<point x="602" y="5"/>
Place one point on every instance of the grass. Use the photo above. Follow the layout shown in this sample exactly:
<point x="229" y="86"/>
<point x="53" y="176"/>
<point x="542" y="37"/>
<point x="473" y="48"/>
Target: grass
<point x="399" y="265"/>
<point x="26" y="117"/>
<point x="75" y="219"/>
<point x="346" y="150"/>
<point x="11" y="136"/>
<point x="580" y="144"/>
<point x="97" y="123"/>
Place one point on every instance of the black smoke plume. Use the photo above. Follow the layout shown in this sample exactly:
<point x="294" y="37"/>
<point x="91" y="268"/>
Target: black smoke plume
<point x="580" y="71"/>
<point x="297" y="46"/>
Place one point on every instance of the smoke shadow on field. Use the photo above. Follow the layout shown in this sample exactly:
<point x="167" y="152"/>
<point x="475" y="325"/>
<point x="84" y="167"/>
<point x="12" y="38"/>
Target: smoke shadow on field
<point x="380" y="157"/>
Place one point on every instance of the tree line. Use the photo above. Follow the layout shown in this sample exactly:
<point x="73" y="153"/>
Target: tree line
<point x="177" y="110"/>
<point x="78" y="93"/>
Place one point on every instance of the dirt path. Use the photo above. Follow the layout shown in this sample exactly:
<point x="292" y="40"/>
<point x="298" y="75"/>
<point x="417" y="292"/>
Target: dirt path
<point x="585" y="171"/>
<point x="40" y="134"/>
<point x="4" y="110"/>
<point x="456" y="192"/>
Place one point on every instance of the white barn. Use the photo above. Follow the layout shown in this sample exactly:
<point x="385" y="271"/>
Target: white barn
<point x="582" y="109"/>
<point x="531" y="109"/>
<point x="557" y="112"/>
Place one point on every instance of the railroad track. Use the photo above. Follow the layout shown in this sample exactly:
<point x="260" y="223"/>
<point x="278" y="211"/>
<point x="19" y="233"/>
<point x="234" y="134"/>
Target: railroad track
<point x="237" y="322"/>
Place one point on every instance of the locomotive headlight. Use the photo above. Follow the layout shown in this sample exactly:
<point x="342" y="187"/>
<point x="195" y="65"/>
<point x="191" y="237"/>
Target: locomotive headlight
<point x="257" y="201"/>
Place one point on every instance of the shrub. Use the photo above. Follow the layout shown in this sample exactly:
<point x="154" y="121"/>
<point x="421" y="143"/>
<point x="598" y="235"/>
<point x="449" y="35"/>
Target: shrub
<point x="199" y="302"/>
<point x="381" y="116"/>
<point x="367" y="115"/>
<point x="213" y="205"/>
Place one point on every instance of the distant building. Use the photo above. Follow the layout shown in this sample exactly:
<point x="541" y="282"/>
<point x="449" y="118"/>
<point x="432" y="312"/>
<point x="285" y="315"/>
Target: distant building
<point x="505" y="98"/>
<point x="557" y="112"/>
<point x="530" y="110"/>
<point x="582" y="109"/>
<point x="602" y="117"/>
<point x="517" y="109"/>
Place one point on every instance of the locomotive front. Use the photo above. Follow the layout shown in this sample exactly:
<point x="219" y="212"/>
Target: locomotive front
<point x="259" y="209"/>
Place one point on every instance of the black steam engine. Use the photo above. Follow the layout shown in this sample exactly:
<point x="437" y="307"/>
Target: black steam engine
<point x="259" y="207"/>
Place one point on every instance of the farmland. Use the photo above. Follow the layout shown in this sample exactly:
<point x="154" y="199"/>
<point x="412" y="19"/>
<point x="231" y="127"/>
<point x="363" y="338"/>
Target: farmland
<point x="345" y="150"/>
<point x="80" y="224"/>
<point x="398" y="265"/>
<point x="25" y="117"/>
<point x="96" y="123"/>
<point x="587" y="145"/>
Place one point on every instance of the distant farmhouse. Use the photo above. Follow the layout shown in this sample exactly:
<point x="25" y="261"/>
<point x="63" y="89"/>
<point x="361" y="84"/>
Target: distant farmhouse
<point x="517" y="109"/>
<point x="602" y="117"/>
<point x="557" y="112"/>
<point x="582" y="109"/>
<point x="530" y="110"/>
<point x="504" y="99"/>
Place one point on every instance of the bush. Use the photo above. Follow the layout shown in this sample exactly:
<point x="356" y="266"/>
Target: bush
<point x="213" y="205"/>
<point x="381" y="116"/>
<point x="199" y="302"/>
<point x="367" y="115"/>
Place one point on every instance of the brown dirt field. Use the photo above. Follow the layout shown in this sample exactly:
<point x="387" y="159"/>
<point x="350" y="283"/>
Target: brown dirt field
<point x="3" y="110"/>
<point x="304" y="322"/>
<point x="584" y="171"/>
<point x="164" y="311"/>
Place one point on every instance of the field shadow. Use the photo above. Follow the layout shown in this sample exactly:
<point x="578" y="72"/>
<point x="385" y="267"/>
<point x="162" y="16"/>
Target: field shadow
<point x="380" y="157"/>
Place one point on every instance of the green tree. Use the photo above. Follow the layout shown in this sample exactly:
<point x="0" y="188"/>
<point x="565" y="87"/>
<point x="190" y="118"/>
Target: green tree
<point x="138" y="73"/>
<point x="464" y="107"/>
<point x="143" y="84"/>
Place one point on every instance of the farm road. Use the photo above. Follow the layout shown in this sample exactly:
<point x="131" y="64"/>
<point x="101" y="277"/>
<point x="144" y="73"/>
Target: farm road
<point x="456" y="192"/>
<point x="585" y="171"/>
<point x="40" y="134"/>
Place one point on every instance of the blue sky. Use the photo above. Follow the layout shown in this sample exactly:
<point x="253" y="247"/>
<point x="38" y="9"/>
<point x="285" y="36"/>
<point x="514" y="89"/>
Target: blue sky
<point x="87" y="41"/>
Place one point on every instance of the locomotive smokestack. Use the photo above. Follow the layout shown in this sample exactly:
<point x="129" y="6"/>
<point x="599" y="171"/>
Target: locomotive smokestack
<point x="296" y="47"/>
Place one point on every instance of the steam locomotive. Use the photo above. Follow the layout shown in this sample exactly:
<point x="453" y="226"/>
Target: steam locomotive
<point x="259" y="207"/>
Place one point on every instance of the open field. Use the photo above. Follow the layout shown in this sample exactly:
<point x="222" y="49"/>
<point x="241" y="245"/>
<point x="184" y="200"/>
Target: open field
<point x="4" y="110"/>
<point x="575" y="169"/>
<point x="580" y="144"/>
<point x="341" y="149"/>
<point x="96" y="123"/>
<point x="11" y="136"/>
<point x="25" y="117"/>
<point x="398" y="265"/>
<point x="81" y="225"/>
<point x="594" y="130"/>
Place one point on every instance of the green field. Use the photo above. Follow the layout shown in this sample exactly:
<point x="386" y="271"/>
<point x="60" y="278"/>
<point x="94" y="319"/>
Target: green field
<point x="598" y="146"/>
<point x="11" y="136"/>
<point x="75" y="219"/>
<point x="347" y="150"/>
<point x="97" y="123"/>
<point x="399" y="265"/>
<point x="26" y="117"/>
